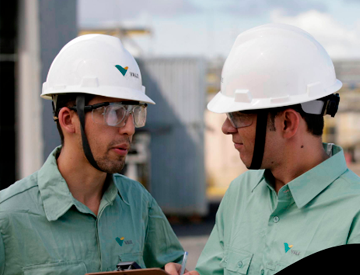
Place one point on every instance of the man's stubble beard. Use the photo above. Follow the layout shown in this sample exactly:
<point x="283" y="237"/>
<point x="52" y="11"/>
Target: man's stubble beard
<point x="111" y="167"/>
<point x="104" y="162"/>
<point x="108" y="165"/>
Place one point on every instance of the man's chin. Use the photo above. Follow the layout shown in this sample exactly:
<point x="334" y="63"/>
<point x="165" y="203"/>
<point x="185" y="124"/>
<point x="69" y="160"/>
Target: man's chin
<point x="112" y="168"/>
<point x="246" y="162"/>
<point x="248" y="165"/>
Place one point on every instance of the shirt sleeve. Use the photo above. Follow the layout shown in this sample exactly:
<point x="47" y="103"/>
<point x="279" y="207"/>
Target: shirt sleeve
<point x="213" y="252"/>
<point x="2" y="255"/>
<point x="212" y="256"/>
<point x="161" y="243"/>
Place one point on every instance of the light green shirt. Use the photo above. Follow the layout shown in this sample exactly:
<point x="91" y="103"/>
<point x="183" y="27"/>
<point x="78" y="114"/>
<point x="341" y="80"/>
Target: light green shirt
<point x="44" y="230"/>
<point x="260" y="232"/>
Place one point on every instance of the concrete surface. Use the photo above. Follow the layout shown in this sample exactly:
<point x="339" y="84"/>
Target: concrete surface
<point x="194" y="246"/>
<point x="193" y="233"/>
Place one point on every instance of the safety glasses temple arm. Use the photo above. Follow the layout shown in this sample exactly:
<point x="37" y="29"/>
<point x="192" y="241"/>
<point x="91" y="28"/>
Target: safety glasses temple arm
<point x="91" y="107"/>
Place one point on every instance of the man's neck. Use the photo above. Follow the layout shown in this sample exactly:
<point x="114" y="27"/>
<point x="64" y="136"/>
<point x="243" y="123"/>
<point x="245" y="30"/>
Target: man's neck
<point x="85" y="183"/>
<point x="297" y="162"/>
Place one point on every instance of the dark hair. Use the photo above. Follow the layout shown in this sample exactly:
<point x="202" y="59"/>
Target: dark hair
<point x="67" y="100"/>
<point x="315" y="123"/>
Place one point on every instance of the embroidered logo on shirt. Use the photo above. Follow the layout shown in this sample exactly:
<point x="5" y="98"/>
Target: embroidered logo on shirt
<point x="121" y="241"/>
<point x="287" y="247"/>
<point x="295" y="252"/>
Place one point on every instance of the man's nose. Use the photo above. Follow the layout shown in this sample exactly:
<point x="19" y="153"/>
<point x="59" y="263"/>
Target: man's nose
<point x="227" y="128"/>
<point x="129" y="127"/>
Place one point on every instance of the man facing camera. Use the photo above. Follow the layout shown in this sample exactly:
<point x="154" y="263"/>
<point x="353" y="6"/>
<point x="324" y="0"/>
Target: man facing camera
<point x="298" y="196"/>
<point x="76" y="214"/>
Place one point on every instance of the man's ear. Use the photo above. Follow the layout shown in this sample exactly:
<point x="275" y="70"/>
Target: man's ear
<point x="66" y="120"/>
<point x="290" y="121"/>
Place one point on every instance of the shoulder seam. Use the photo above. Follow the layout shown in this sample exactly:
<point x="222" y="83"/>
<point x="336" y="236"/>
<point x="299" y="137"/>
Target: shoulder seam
<point x="17" y="193"/>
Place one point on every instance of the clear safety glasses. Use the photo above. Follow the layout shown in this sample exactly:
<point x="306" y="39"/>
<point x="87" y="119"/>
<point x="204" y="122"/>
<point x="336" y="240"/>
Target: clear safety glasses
<point x="115" y="114"/>
<point x="241" y="119"/>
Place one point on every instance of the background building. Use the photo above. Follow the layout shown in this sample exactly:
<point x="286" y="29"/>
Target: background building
<point x="181" y="155"/>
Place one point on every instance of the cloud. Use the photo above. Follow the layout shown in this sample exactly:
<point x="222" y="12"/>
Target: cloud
<point x="340" y="42"/>
<point x="258" y="7"/>
<point x="95" y="12"/>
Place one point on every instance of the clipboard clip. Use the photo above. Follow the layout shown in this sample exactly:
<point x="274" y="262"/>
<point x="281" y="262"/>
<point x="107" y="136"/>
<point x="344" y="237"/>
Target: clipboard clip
<point x="127" y="266"/>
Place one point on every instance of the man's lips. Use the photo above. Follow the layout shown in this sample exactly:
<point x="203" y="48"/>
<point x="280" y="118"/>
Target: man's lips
<point x="238" y="145"/>
<point x="121" y="149"/>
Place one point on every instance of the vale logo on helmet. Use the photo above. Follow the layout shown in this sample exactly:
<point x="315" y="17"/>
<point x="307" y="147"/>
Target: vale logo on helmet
<point x="124" y="70"/>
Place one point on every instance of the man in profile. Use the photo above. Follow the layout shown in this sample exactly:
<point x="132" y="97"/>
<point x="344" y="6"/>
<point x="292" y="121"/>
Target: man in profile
<point x="298" y="196"/>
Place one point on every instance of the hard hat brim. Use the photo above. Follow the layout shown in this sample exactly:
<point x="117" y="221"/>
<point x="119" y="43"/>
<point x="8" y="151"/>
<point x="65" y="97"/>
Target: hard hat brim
<point x="227" y="104"/>
<point x="113" y="92"/>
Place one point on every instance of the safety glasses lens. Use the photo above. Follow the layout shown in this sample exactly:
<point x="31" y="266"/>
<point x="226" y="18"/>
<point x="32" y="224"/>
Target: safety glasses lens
<point x="98" y="115"/>
<point x="240" y="120"/>
<point x="139" y="114"/>
<point x="116" y="115"/>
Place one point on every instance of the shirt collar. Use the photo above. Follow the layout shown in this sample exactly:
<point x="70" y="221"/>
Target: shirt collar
<point x="55" y="193"/>
<point x="258" y="178"/>
<point x="117" y="178"/>
<point x="308" y="185"/>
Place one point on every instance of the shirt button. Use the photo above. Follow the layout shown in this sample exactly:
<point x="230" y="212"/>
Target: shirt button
<point x="276" y="219"/>
<point x="240" y="264"/>
<point x="262" y="271"/>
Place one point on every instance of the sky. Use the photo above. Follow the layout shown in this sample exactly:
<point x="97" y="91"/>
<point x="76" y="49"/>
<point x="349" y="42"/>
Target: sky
<point x="208" y="28"/>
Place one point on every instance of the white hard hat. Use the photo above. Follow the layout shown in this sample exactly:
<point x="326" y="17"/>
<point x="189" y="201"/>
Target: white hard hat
<point x="95" y="64"/>
<point x="274" y="65"/>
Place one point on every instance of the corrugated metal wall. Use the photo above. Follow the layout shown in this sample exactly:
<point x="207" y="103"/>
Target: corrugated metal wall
<point x="57" y="27"/>
<point x="176" y="124"/>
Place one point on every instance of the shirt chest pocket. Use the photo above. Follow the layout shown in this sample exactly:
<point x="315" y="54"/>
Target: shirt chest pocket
<point x="56" y="269"/>
<point x="236" y="262"/>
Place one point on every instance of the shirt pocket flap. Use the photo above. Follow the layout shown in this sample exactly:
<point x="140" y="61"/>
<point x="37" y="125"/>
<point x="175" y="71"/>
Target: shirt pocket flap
<point x="237" y="261"/>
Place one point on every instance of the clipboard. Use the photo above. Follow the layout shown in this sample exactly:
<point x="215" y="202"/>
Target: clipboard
<point x="144" y="271"/>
